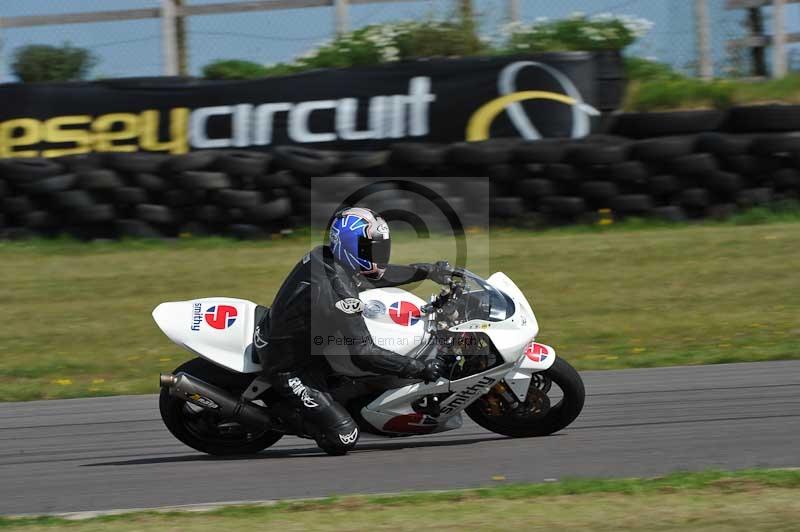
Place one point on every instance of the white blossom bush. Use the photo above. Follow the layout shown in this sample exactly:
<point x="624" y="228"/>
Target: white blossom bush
<point x="387" y="43"/>
<point x="366" y="46"/>
<point x="578" y="32"/>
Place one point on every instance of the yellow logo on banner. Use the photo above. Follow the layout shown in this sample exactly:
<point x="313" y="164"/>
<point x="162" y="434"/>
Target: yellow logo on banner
<point x="113" y="132"/>
<point x="481" y="121"/>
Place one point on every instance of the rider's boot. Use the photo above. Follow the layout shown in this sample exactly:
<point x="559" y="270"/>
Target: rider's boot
<point x="323" y="418"/>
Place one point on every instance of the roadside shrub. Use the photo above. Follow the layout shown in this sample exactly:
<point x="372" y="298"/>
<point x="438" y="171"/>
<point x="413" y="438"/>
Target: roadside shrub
<point x="387" y="43"/>
<point x="578" y="32"/>
<point x="233" y="69"/>
<point x="640" y="69"/>
<point x="42" y="62"/>
<point x="371" y="45"/>
<point x="441" y="39"/>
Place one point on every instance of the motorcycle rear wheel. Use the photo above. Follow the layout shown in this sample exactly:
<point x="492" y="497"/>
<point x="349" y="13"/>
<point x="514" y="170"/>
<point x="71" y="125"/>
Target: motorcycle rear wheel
<point x="551" y="420"/>
<point x="202" y="429"/>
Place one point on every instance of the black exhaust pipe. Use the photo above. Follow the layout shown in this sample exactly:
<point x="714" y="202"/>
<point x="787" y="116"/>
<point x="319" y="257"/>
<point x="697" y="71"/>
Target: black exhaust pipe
<point x="210" y="397"/>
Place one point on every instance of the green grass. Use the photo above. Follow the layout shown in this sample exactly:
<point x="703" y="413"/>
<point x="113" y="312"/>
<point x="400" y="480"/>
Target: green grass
<point x="746" y="500"/>
<point x="77" y="322"/>
<point x="720" y="94"/>
<point x="655" y="87"/>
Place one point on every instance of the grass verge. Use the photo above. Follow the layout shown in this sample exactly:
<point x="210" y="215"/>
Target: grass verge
<point x="746" y="500"/>
<point x="676" y="92"/>
<point x="657" y="86"/>
<point x="77" y="316"/>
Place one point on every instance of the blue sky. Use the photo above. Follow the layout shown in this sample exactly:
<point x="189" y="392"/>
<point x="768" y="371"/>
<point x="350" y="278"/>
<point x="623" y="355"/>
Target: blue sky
<point x="133" y="48"/>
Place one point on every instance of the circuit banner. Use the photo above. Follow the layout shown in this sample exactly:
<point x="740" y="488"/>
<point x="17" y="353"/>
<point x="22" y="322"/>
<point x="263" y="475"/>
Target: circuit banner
<point x="439" y="100"/>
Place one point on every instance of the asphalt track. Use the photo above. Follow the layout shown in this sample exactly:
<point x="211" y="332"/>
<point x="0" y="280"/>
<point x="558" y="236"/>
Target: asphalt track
<point x="109" y="453"/>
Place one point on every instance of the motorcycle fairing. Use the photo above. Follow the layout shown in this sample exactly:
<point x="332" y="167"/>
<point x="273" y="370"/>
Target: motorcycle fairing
<point x="463" y="392"/>
<point x="226" y="339"/>
<point x="519" y="378"/>
<point x="512" y="336"/>
<point x="219" y="329"/>
<point x="393" y="318"/>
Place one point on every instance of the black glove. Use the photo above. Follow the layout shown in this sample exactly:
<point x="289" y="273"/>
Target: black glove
<point x="434" y="369"/>
<point x="428" y="371"/>
<point x="439" y="273"/>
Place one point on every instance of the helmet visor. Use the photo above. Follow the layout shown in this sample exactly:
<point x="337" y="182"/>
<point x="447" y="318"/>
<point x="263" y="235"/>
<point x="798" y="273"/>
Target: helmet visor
<point x="375" y="251"/>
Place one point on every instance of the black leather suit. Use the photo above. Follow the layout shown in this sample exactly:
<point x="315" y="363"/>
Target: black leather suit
<point x="319" y="301"/>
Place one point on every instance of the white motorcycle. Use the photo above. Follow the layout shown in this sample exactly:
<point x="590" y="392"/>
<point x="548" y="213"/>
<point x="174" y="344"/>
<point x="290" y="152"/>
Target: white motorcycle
<point x="483" y="329"/>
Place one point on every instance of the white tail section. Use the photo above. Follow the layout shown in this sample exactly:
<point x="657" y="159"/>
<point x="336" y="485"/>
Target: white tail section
<point x="219" y="329"/>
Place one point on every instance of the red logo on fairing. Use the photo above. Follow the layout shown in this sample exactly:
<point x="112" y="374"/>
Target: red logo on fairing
<point x="404" y="313"/>
<point x="221" y="316"/>
<point x="536" y="352"/>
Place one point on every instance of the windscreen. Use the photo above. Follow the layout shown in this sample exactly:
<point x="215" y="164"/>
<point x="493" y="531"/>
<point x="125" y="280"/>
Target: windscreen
<point x="484" y="302"/>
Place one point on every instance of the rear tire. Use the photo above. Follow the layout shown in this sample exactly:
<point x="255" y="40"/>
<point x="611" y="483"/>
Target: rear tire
<point x="556" y="418"/>
<point x="198" y="428"/>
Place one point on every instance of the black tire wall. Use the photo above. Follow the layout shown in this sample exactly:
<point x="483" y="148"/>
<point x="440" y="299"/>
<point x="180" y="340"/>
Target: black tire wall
<point x="672" y="166"/>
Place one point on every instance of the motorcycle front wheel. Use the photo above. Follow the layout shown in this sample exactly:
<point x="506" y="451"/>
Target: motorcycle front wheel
<point x="546" y="409"/>
<point x="204" y="430"/>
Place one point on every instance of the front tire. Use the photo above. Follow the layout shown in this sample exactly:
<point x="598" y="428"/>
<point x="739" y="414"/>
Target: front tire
<point x="204" y="430"/>
<point x="494" y="414"/>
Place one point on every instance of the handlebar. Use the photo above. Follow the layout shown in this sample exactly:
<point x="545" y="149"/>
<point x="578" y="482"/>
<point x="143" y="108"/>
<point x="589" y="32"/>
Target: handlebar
<point x="454" y="289"/>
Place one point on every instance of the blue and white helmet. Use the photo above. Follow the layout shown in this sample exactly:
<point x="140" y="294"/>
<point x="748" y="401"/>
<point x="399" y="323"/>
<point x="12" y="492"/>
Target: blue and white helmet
<point x="359" y="241"/>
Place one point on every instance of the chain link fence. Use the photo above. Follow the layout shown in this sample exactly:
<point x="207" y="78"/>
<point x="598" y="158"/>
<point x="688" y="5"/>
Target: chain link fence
<point x="133" y="48"/>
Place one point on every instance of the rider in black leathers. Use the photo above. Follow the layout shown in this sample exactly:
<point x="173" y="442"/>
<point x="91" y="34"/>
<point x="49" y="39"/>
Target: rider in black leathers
<point x="319" y="301"/>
